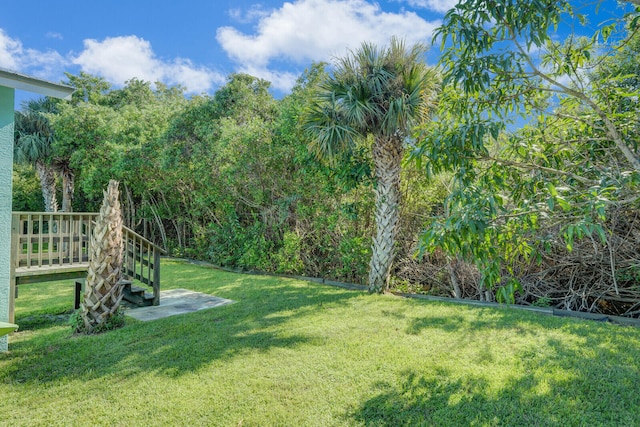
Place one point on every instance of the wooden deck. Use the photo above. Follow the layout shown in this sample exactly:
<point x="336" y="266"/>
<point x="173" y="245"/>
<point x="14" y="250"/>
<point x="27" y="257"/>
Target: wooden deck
<point x="56" y="246"/>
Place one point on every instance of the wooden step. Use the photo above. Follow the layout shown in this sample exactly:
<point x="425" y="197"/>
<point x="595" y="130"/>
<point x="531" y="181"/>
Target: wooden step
<point x="136" y="295"/>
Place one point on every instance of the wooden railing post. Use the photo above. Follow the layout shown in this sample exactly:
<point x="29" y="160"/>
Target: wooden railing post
<point x="156" y="277"/>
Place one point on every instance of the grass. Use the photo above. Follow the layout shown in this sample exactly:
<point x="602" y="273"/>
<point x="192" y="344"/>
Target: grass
<point x="294" y="353"/>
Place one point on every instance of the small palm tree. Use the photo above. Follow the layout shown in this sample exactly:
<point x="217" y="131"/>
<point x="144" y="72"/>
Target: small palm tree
<point x="33" y="141"/>
<point x="103" y="289"/>
<point x="381" y="93"/>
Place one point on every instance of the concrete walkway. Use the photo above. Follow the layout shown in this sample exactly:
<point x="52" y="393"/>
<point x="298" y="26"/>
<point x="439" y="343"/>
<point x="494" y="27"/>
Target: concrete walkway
<point x="177" y="301"/>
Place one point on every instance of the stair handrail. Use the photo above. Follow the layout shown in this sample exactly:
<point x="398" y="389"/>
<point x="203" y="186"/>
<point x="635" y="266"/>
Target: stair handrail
<point x="143" y="264"/>
<point x="146" y="241"/>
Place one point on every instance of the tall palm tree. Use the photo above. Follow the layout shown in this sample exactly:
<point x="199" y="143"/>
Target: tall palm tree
<point x="381" y="93"/>
<point x="33" y="141"/>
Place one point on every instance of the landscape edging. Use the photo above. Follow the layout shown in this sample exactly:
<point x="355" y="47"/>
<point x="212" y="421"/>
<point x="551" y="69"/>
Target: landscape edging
<point x="548" y="311"/>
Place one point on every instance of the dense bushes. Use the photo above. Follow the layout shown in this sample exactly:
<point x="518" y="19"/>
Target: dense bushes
<point x="27" y="195"/>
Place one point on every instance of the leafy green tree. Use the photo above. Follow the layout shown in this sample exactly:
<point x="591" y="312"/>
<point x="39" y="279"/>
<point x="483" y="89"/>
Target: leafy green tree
<point x="575" y="158"/>
<point x="243" y="97"/>
<point x="26" y="190"/>
<point x="136" y="93"/>
<point x="100" y="135"/>
<point x="380" y="93"/>
<point x="88" y="88"/>
<point x="82" y="130"/>
<point x="208" y="165"/>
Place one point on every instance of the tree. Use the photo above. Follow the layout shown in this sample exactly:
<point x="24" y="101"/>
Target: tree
<point x="380" y="93"/>
<point x="33" y="145"/>
<point x="575" y="158"/>
<point x="104" y="291"/>
<point x="90" y="90"/>
<point x="207" y="162"/>
<point x="26" y="190"/>
<point x="81" y="130"/>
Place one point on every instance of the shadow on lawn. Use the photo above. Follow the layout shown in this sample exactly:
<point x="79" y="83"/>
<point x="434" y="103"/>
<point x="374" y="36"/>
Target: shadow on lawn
<point x="180" y="344"/>
<point x="479" y="319"/>
<point x="591" y="380"/>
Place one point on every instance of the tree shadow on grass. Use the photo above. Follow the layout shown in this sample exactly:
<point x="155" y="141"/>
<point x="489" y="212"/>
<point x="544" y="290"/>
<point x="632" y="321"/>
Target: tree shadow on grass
<point x="444" y="400"/>
<point x="179" y="344"/>
<point x="422" y="400"/>
<point x="591" y="377"/>
<point x="478" y="319"/>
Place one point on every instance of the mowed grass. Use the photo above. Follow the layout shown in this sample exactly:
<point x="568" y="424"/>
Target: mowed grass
<point x="294" y="353"/>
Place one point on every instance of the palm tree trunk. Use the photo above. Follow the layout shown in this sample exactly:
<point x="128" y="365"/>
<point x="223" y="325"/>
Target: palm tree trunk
<point x="68" y="187"/>
<point x="387" y="158"/>
<point x="103" y="289"/>
<point x="48" y="186"/>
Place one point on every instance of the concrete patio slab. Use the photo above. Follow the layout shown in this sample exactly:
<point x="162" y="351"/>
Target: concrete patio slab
<point x="177" y="301"/>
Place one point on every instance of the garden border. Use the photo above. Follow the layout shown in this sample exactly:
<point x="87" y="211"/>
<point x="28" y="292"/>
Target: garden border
<point x="548" y="311"/>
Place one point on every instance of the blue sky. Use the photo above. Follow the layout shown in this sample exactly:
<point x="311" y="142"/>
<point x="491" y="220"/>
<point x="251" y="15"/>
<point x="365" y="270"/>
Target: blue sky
<point x="198" y="43"/>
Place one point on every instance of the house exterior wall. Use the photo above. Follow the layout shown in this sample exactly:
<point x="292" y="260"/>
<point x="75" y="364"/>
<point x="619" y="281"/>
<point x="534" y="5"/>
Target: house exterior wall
<point x="6" y="169"/>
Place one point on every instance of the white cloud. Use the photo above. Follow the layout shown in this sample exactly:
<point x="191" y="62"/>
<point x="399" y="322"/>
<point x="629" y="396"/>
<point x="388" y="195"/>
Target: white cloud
<point x="119" y="59"/>
<point x="10" y="51"/>
<point x="196" y="79"/>
<point x="253" y="14"/>
<point x="441" y="6"/>
<point x="314" y="30"/>
<point x="49" y="65"/>
<point x="14" y="56"/>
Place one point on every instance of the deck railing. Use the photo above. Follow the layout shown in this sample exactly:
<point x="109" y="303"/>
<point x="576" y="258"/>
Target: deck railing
<point x="56" y="245"/>
<point x="50" y="239"/>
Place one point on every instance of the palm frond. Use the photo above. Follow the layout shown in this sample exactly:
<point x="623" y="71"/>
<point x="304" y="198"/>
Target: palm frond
<point x="31" y="148"/>
<point x="330" y="134"/>
<point x="378" y="91"/>
<point x="33" y="135"/>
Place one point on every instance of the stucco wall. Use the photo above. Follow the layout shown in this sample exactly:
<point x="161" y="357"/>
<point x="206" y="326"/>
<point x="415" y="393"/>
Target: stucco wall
<point x="6" y="167"/>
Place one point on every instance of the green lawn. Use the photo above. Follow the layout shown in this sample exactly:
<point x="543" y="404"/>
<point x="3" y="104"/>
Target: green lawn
<point x="294" y="353"/>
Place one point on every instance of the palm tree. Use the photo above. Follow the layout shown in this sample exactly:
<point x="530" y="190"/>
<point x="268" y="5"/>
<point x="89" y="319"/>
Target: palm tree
<point x="381" y="93"/>
<point x="104" y="291"/>
<point x="33" y="141"/>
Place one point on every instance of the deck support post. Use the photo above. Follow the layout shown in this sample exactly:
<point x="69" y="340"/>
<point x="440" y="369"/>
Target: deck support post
<point x="79" y="291"/>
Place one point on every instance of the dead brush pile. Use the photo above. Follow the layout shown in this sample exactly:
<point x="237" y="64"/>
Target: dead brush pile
<point x="593" y="277"/>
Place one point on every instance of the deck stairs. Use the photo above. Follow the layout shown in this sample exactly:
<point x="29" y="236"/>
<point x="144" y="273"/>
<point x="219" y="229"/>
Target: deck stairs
<point x="136" y="296"/>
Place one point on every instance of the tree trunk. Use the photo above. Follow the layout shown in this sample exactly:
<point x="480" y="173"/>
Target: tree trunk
<point x="104" y="291"/>
<point x="48" y="186"/>
<point x="68" y="187"/>
<point x="451" y="268"/>
<point x="387" y="158"/>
